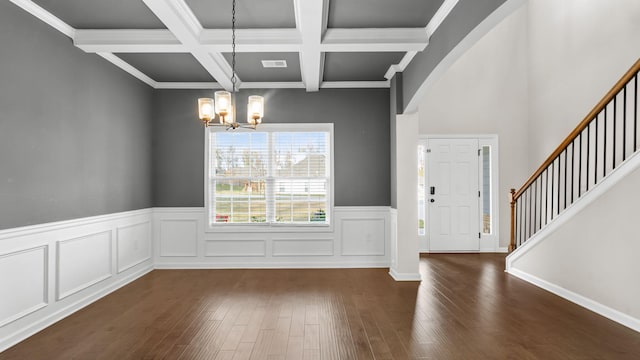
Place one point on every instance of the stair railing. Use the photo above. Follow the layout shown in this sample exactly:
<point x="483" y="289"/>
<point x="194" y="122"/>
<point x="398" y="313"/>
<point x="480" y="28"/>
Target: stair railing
<point x="605" y="138"/>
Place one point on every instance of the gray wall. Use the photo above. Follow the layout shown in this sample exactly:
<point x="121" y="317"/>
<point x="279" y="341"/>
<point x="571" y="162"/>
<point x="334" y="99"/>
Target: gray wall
<point x="361" y="140"/>
<point x="464" y="17"/>
<point x="74" y="129"/>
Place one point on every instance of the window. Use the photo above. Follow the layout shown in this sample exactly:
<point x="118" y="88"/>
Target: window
<point x="486" y="189"/>
<point x="277" y="174"/>
<point x="421" y="190"/>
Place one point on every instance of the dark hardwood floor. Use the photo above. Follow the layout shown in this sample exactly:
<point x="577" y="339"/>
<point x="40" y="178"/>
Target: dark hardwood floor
<point x="465" y="308"/>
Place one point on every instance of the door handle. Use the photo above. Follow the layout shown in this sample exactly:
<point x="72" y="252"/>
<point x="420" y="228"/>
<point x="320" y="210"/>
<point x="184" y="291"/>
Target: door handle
<point x="432" y="190"/>
<point x="432" y="200"/>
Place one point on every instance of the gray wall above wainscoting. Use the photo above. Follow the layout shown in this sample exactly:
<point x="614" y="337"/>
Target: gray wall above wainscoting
<point x="74" y="129"/>
<point x="361" y="140"/>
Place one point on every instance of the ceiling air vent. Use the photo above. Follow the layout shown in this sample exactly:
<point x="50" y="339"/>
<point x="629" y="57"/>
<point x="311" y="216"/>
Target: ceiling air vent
<point x="274" y="63"/>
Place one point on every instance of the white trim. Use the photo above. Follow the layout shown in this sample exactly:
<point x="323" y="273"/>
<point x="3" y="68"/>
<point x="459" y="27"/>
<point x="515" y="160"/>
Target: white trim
<point x="374" y="39"/>
<point x="274" y="253"/>
<point x="354" y="84"/>
<point x="251" y="40"/>
<point x="578" y="299"/>
<point x="273" y="85"/>
<point x="180" y="20"/>
<point x="404" y="276"/>
<point x="128" y="41"/>
<point x="42" y="14"/>
<point x="263" y="253"/>
<point x="139" y="261"/>
<point x="406" y="60"/>
<point x="465" y="44"/>
<point x="309" y="20"/>
<point x="187" y="85"/>
<point x="308" y="264"/>
<point x="61" y="295"/>
<point x="57" y="225"/>
<point x="128" y="68"/>
<point x="437" y="19"/>
<point x="45" y="282"/>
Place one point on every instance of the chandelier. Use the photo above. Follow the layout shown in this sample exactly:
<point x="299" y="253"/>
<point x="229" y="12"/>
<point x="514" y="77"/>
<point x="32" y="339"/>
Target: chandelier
<point x="224" y="102"/>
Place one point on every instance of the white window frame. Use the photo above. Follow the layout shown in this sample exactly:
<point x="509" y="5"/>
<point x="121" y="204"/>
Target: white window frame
<point x="271" y="227"/>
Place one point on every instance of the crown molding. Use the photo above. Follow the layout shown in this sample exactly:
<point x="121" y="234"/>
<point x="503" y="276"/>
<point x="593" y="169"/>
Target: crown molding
<point x="401" y="65"/>
<point x="128" y="68"/>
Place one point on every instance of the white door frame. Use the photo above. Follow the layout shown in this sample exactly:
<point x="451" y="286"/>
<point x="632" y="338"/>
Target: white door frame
<point x="488" y="242"/>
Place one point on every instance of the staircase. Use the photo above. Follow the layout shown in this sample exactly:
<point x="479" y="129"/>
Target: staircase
<point x="575" y="223"/>
<point x="601" y="143"/>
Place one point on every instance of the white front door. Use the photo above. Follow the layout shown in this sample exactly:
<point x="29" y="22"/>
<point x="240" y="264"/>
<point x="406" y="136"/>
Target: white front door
<point x="453" y="195"/>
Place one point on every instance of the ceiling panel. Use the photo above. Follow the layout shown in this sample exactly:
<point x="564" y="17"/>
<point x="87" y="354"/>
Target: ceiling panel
<point x="168" y="67"/>
<point x="381" y="13"/>
<point x="359" y="66"/>
<point x="103" y="14"/>
<point x="249" y="67"/>
<point x="249" y="13"/>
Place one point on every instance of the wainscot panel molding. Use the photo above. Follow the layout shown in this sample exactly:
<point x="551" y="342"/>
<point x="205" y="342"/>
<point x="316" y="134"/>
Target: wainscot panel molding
<point x="49" y="271"/>
<point x="82" y="262"/>
<point x="359" y="237"/>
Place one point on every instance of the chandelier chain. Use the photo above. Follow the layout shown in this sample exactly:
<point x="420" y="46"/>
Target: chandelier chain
<point x="233" y="46"/>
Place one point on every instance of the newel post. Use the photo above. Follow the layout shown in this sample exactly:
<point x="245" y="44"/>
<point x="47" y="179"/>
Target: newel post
<point x="512" y="243"/>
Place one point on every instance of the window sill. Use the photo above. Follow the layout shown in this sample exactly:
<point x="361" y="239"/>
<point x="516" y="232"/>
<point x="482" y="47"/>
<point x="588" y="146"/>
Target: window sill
<point x="268" y="228"/>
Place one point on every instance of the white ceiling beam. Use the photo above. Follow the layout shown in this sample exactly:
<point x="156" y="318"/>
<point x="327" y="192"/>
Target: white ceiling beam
<point x="310" y="20"/>
<point x="181" y="21"/>
<point x="249" y="40"/>
<point x="274" y="85"/>
<point x="355" y="84"/>
<point x="252" y="40"/>
<point x="128" y="41"/>
<point x="391" y="39"/>
<point x="128" y="68"/>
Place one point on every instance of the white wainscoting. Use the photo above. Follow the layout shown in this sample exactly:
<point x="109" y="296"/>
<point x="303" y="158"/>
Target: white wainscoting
<point x="50" y="271"/>
<point x="359" y="237"/>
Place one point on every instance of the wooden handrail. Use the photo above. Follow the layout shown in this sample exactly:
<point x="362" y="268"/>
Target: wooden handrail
<point x="583" y="125"/>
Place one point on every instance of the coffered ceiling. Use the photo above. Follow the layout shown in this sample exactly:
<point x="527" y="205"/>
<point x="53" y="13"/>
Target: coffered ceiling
<point x="187" y="43"/>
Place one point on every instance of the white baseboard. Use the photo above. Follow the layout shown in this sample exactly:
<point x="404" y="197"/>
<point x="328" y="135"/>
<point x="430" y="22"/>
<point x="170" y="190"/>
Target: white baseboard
<point x="590" y="304"/>
<point x="273" y="265"/>
<point x="404" y="276"/>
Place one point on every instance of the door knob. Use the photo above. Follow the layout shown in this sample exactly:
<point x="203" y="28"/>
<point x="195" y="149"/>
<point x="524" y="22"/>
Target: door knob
<point x="432" y="200"/>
